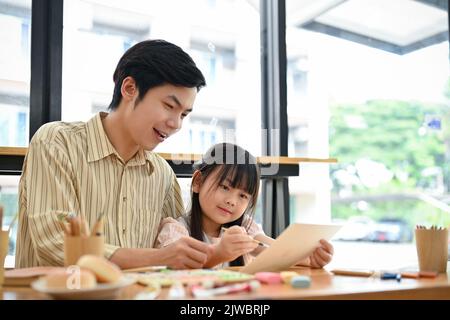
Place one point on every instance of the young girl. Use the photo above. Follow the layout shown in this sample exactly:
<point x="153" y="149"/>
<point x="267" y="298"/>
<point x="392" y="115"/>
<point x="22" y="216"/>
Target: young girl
<point x="225" y="187"/>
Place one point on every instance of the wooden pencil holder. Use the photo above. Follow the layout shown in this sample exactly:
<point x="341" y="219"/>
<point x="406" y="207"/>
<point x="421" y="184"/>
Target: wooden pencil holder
<point x="77" y="246"/>
<point x="4" y="246"/>
<point x="432" y="249"/>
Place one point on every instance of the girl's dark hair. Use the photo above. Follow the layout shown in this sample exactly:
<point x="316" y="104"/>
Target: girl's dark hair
<point x="236" y="164"/>
<point x="152" y="63"/>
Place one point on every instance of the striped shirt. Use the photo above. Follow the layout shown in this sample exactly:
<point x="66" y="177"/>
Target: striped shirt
<point x="73" y="167"/>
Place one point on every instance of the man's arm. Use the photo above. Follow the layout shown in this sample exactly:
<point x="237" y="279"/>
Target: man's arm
<point x="50" y="191"/>
<point x="185" y="253"/>
<point x="173" y="202"/>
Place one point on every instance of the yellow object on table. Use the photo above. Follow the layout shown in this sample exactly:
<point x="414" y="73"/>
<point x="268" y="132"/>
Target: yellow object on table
<point x="432" y="249"/>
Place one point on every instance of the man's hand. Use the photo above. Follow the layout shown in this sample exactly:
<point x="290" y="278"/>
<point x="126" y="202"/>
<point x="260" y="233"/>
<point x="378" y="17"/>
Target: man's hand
<point x="322" y="255"/>
<point x="234" y="243"/>
<point x="186" y="253"/>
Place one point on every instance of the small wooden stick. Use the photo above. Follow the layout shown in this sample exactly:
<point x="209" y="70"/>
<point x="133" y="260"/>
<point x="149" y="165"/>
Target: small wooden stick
<point x="75" y="226"/>
<point x="97" y="230"/>
<point x="65" y="228"/>
<point x="84" y="227"/>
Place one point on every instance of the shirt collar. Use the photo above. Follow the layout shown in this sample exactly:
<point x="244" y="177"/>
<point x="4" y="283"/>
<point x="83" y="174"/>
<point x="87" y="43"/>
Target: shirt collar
<point x="98" y="144"/>
<point x="100" y="147"/>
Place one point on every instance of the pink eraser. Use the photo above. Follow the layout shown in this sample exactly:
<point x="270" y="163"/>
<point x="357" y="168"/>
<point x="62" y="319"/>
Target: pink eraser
<point x="268" y="277"/>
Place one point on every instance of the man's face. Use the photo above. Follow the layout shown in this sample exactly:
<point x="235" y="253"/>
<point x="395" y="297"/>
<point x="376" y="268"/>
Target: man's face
<point x="159" y="114"/>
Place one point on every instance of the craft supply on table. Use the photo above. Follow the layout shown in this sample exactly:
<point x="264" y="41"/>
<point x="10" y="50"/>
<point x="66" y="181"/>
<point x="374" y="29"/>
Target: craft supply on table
<point x="167" y="277"/>
<point x="353" y="272"/>
<point x="391" y="276"/>
<point x="150" y="292"/>
<point x="419" y="274"/>
<point x="286" y="276"/>
<point x="432" y="248"/>
<point x="79" y="240"/>
<point x="176" y="291"/>
<point x="301" y="281"/>
<point x="268" y="277"/>
<point x="199" y="291"/>
<point x="386" y="275"/>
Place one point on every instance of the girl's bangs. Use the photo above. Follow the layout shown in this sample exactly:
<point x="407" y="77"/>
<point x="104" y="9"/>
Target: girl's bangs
<point x="240" y="176"/>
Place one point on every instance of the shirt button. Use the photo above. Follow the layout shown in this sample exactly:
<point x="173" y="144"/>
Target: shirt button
<point x="124" y="199"/>
<point x="123" y="230"/>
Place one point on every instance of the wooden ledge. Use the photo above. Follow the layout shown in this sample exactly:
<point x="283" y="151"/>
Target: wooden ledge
<point x="192" y="157"/>
<point x="13" y="151"/>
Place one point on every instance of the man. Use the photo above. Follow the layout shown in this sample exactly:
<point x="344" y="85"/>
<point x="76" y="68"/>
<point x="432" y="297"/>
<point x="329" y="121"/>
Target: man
<point x="106" y="166"/>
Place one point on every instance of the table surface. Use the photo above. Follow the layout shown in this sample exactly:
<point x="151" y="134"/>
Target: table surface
<point x="324" y="285"/>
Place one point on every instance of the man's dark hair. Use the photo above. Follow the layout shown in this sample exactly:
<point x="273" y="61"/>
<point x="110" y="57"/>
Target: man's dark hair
<point x="152" y="63"/>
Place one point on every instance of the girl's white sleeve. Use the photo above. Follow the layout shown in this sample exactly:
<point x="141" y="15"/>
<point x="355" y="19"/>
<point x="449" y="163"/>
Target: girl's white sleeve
<point x="169" y="230"/>
<point x="253" y="228"/>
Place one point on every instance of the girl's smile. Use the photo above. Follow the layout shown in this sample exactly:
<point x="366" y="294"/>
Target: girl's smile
<point x="225" y="211"/>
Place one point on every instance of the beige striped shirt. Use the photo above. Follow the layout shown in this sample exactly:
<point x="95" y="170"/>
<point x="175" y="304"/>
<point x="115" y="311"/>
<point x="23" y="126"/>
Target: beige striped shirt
<point x="73" y="167"/>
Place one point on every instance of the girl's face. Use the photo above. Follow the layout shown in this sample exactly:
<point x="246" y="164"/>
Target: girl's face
<point x="221" y="203"/>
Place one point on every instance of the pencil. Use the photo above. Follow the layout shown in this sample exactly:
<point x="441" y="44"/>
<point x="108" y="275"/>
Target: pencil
<point x="97" y="230"/>
<point x="262" y="244"/>
<point x="353" y="272"/>
<point x="84" y="227"/>
<point x="75" y="225"/>
<point x="64" y="227"/>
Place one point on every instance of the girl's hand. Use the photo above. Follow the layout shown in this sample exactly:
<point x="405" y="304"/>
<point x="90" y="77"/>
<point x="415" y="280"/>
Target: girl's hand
<point x="322" y="255"/>
<point x="234" y="243"/>
<point x="186" y="253"/>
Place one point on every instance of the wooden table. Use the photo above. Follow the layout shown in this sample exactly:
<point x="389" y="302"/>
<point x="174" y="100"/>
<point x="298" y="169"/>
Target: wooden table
<point x="324" y="285"/>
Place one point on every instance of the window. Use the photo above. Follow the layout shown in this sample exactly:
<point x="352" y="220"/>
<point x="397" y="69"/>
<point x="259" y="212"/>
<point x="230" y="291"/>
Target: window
<point x="370" y="82"/>
<point x="204" y="132"/>
<point x="298" y="144"/>
<point x="212" y="58"/>
<point x="97" y="32"/>
<point x="297" y="78"/>
<point x="227" y="53"/>
<point x="15" y="24"/>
